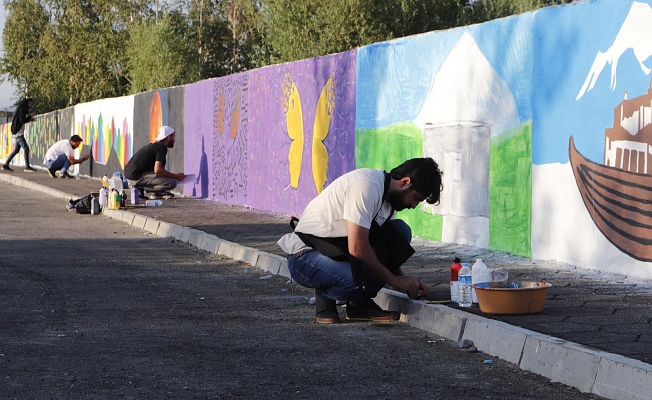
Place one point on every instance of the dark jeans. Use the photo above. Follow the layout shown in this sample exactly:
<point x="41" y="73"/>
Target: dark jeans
<point x="333" y="279"/>
<point x="61" y="163"/>
<point x="153" y="183"/>
<point x="20" y="143"/>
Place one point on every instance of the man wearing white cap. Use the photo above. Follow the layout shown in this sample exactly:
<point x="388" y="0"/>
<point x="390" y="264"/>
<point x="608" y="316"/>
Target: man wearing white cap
<point x="146" y="169"/>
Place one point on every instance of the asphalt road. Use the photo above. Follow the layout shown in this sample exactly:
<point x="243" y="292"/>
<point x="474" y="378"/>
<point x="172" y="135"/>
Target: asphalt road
<point x="94" y="309"/>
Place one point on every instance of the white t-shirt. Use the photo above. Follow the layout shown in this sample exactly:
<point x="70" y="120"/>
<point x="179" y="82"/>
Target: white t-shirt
<point x="356" y="196"/>
<point x="57" y="149"/>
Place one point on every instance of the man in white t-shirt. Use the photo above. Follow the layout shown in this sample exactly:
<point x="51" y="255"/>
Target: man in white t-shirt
<point x="347" y="245"/>
<point x="61" y="155"/>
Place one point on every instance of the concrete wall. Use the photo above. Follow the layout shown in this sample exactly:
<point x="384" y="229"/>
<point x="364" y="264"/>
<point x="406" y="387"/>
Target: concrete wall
<point x="496" y="104"/>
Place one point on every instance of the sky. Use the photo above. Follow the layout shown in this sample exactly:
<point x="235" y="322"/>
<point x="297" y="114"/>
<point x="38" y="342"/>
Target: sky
<point x="6" y="89"/>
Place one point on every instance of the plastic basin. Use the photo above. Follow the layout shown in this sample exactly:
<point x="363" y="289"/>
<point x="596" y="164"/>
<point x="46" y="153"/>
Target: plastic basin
<point x="511" y="298"/>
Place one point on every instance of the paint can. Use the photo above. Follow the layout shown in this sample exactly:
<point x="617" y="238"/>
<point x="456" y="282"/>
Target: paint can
<point x="95" y="205"/>
<point x="134" y="195"/>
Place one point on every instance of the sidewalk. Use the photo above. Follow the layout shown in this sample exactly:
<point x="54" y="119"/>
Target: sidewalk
<point x="594" y="333"/>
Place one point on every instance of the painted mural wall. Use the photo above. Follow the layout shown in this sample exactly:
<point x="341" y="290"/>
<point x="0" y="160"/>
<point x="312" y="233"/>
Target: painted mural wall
<point x="301" y="130"/>
<point x="106" y="129"/>
<point x="540" y="122"/>
<point x="462" y="98"/>
<point x="591" y="137"/>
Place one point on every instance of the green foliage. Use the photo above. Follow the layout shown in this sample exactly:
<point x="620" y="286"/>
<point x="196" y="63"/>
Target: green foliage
<point x="160" y="55"/>
<point x="64" y="52"/>
<point x="208" y="31"/>
<point x="301" y="29"/>
<point x="26" y="24"/>
<point x="245" y="44"/>
<point x="485" y="10"/>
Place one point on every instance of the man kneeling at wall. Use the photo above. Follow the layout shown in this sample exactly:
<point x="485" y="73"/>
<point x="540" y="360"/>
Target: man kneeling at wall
<point x="146" y="169"/>
<point x="61" y="155"/>
<point x="347" y="244"/>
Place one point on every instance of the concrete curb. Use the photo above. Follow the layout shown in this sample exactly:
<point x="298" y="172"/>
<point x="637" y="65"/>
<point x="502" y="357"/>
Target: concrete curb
<point x="605" y="374"/>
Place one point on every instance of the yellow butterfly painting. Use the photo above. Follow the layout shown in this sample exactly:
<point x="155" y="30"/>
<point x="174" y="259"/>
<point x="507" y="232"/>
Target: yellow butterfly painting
<point x="294" y="118"/>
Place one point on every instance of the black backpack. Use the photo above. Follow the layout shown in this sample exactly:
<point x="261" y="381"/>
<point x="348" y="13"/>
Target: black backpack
<point x="81" y="205"/>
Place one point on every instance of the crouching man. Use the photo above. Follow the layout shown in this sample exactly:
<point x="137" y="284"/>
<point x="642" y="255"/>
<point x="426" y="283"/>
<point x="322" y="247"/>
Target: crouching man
<point x="146" y="169"/>
<point x="61" y="155"/>
<point x="347" y="244"/>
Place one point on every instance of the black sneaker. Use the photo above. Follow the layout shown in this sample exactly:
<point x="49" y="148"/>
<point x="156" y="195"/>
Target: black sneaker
<point x="326" y="310"/>
<point x="52" y="173"/>
<point x="6" y="168"/>
<point x="30" y="169"/>
<point x="369" y="311"/>
<point x="67" y="175"/>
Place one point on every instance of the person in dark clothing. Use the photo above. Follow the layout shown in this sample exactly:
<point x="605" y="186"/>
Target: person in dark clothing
<point x="21" y="117"/>
<point x="146" y="169"/>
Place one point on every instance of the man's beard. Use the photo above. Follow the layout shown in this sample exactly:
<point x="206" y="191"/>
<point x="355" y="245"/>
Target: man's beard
<point x="396" y="199"/>
<point x="170" y="145"/>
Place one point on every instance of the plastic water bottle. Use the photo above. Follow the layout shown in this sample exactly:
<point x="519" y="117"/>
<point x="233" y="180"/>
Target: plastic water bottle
<point x="153" y="203"/>
<point x="104" y="197"/>
<point x="455" y="286"/>
<point x="464" y="278"/>
<point x="480" y="274"/>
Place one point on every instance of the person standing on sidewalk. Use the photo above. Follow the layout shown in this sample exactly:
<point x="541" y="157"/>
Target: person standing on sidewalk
<point x="146" y="169"/>
<point x="347" y="245"/>
<point x="21" y="117"/>
<point x="61" y="155"/>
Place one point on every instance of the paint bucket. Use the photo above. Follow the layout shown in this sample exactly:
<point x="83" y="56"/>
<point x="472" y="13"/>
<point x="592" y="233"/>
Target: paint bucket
<point x="511" y="298"/>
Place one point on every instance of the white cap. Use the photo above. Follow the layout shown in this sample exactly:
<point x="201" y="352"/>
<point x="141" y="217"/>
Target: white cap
<point x="164" y="132"/>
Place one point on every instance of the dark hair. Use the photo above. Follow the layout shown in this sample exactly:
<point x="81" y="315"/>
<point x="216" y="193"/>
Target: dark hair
<point x="75" y="138"/>
<point x="23" y="105"/>
<point x="425" y="177"/>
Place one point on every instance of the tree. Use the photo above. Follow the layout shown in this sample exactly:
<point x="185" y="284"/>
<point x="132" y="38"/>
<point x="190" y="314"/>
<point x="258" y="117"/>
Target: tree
<point x="301" y="29"/>
<point x="484" y="10"/>
<point x="89" y="37"/>
<point x="27" y="22"/>
<point x="160" y="54"/>
<point x="245" y="43"/>
<point x="208" y="31"/>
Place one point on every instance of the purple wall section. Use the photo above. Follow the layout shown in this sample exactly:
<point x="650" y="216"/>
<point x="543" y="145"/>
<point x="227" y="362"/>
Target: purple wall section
<point x="268" y="145"/>
<point x="230" y="124"/>
<point x="198" y="138"/>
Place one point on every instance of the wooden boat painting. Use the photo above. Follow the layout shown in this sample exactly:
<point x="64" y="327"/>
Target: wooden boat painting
<point x="618" y="193"/>
<point x="619" y="202"/>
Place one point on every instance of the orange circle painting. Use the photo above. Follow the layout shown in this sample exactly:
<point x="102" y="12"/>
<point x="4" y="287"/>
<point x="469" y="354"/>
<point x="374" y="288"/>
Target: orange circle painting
<point x="155" y="117"/>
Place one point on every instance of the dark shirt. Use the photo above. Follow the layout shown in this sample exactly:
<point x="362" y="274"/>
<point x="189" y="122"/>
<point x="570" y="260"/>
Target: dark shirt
<point x="21" y="116"/>
<point x="143" y="161"/>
